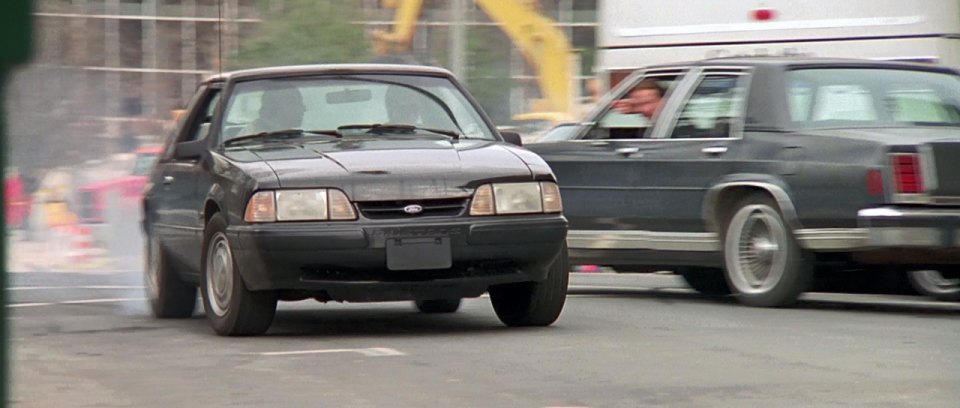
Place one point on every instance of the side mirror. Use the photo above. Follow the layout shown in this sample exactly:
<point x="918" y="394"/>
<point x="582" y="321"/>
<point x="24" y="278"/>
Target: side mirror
<point x="512" y="138"/>
<point x="190" y="150"/>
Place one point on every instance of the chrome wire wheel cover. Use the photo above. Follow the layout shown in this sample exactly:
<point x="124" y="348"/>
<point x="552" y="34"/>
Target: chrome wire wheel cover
<point x="756" y="249"/>
<point x="152" y="268"/>
<point x="935" y="282"/>
<point x="219" y="270"/>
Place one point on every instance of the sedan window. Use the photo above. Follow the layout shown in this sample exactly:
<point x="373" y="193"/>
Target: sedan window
<point x="861" y="97"/>
<point x="621" y="120"/>
<point x="714" y="105"/>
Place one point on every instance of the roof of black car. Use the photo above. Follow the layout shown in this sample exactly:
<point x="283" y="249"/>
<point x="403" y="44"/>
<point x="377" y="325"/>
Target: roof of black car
<point x="322" y="69"/>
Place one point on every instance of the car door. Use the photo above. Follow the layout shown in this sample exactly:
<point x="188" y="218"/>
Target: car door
<point x="180" y="199"/>
<point x="693" y="146"/>
<point x="596" y="184"/>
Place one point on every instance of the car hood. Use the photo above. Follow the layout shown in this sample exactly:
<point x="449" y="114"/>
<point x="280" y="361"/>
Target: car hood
<point x="394" y="169"/>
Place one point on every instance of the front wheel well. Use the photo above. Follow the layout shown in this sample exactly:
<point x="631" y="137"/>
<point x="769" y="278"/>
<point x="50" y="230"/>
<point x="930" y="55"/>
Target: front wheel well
<point x="209" y="209"/>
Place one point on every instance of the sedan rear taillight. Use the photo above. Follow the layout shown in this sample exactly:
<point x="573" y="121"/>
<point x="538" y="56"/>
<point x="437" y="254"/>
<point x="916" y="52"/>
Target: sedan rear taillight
<point x="906" y="173"/>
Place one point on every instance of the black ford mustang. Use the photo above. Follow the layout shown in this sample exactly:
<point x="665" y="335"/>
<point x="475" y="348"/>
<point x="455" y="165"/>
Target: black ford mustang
<point x="349" y="183"/>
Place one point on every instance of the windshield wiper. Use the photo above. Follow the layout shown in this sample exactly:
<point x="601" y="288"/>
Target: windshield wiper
<point x="380" y="128"/>
<point x="283" y="134"/>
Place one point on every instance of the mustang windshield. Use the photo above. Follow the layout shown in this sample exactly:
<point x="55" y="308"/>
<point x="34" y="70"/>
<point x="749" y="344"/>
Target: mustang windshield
<point x="856" y="97"/>
<point x="331" y="102"/>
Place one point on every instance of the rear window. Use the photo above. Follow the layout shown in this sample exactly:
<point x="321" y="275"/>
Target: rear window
<point x="837" y="98"/>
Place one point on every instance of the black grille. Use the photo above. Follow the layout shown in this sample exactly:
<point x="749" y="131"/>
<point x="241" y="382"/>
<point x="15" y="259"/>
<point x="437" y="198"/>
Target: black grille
<point x="449" y="207"/>
<point x="945" y="155"/>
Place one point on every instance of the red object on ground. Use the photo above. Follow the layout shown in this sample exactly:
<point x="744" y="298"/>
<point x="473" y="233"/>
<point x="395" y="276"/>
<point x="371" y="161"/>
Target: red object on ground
<point x="129" y="188"/>
<point x="16" y="201"/>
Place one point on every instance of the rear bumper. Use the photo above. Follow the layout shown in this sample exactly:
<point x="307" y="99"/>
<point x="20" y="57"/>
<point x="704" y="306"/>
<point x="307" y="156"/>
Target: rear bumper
<point x="906" y="235"/>
<point x="349" y="261"/>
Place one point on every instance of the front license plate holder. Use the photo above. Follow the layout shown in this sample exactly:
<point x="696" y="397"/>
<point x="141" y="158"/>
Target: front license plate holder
<point x="405" y="254"/>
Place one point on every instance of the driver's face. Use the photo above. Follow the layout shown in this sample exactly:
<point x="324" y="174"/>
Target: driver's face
<point x="647" y="102"/>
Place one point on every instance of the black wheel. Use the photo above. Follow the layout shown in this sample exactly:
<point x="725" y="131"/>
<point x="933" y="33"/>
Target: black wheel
<point x="438" y="305"/>
<point x="943" y="286"/>
<point x="533" y="303"/>
<point x="231" y="309"/>
<point x="765" y="266"/>
<point x="708" y="281"/>
<point x="169" y="296"/>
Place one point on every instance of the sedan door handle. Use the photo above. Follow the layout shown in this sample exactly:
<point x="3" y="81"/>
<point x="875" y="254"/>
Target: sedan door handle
<point x="714" y="150"/>
<point x="167" y="179"/>
<point x="626" y="151"/>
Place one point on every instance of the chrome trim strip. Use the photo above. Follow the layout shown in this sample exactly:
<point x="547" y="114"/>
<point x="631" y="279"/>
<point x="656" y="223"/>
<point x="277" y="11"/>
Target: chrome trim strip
<point x="901" y="212"/>
<point x="814" y="239"/>
<point x="653" y="240"/>
<point x="827" y="239"/>
<point x="905" y="237"/>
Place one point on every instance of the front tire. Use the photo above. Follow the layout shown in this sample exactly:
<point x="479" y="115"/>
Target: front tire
<point x="438" y="306"/>
<point x="936" y="284"/>
<point x="533" y="303"/>
<point x="765" y="266"/>
<point x="169" y="296"/>
<point x="231" y="309"/>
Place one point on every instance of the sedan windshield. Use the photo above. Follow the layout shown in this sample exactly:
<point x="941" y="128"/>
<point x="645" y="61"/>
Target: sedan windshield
<point x="840" y="98"/>
<point x="336" y="102"/>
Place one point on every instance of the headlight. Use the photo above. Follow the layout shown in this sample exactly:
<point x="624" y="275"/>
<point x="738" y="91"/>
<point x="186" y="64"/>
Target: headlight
<point x="299" y="205"/>
<point x="516" y="198"/>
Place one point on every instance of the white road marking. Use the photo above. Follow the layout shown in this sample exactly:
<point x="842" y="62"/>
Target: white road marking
<point x="113" y="300"/>
<point x="615" y="288"/>
<point x="77" y="302"/>
<point x="30" y="304"/>
<point x="95" y="287"/>
<point x="369" y="352"/>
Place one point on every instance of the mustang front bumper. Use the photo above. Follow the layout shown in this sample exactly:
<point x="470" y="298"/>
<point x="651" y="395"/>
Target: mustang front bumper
<point x="397" y="260"/>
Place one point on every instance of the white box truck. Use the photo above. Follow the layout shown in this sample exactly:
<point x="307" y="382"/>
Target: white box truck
<point x="640" y="33"/>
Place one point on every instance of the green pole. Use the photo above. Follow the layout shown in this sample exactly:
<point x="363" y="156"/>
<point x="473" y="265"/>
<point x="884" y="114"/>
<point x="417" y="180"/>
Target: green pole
<point x="15" y="47"/>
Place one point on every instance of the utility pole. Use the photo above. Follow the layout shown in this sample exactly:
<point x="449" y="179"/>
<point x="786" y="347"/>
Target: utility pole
<point x="149" y="40"/>
<point x="457" y="38"/>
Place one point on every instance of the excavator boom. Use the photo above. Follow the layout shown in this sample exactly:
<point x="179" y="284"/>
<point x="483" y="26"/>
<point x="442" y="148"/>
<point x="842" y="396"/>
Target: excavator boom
<point x="545" y="48"/>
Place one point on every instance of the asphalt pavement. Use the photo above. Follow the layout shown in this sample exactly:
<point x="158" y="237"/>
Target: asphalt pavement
<point x="86" y="340"/>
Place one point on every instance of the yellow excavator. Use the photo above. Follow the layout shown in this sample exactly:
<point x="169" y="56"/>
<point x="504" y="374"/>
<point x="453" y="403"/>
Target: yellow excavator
<point x="545" y="48"/>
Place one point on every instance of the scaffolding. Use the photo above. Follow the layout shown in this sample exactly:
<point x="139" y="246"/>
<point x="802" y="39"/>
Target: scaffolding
<point x="117" y="64"/>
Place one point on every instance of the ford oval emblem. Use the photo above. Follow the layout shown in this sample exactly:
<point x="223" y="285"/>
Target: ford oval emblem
<point x="413" y="209"/>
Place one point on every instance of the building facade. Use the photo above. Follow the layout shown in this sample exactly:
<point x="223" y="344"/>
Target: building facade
<point x="104" y="68"/>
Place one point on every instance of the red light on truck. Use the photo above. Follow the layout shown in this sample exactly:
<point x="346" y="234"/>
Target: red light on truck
<point x="763" y="14"/>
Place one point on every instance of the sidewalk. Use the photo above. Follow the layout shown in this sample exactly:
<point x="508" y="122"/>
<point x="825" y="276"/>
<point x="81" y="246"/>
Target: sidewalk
<point x="46" y="256"/>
